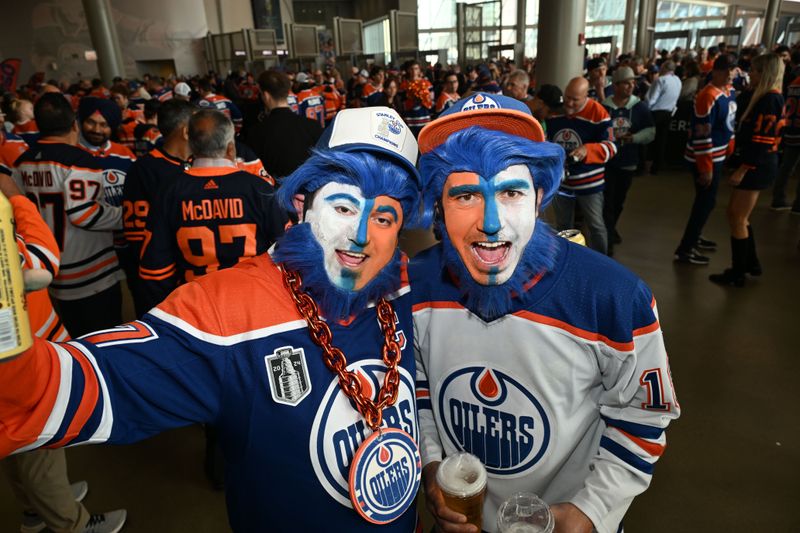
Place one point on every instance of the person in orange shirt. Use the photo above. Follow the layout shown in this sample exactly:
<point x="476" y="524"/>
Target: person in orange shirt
<point x="39" y="478"/>
<point x="131" y="116"/>
<point x="708" y="65"/>
<point x="24" y="123"/>
<point x="449" y="94"/>
<point x="374" y="86"/>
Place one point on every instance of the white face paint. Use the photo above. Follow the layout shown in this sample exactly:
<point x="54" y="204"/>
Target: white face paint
<point x="358" y="235"/>
<point x="490" y="222"/>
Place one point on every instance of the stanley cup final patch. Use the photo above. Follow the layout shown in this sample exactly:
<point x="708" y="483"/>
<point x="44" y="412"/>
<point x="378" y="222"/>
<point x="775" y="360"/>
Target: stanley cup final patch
<point x="288" y="375"/>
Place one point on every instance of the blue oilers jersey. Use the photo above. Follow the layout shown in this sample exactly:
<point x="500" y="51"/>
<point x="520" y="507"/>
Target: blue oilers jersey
<point x="229" y="349"/>
<point x="567" y="396"/>
<point x="590" y="127"/>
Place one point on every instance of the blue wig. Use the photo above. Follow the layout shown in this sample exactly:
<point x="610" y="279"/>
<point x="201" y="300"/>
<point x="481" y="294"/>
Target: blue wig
<point x="299" y="250"/>
<point x="375" y="175"/>
<point x="486" y="153"/>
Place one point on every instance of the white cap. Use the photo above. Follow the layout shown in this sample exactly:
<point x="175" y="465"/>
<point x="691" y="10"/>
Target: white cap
<point x="301" y="77"/>
<point x="182" y="89"/>
<point x="372" y="129"/>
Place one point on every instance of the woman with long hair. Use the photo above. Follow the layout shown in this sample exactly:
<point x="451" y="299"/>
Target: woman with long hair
<point x="758" y="136"/>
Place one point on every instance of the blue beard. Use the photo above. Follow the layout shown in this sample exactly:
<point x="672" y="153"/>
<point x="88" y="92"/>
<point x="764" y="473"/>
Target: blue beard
<point x="299" y="251"/>
<point x="490" y="302"/>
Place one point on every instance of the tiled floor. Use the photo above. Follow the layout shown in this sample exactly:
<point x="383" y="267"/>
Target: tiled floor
<point x="733" y="459"/>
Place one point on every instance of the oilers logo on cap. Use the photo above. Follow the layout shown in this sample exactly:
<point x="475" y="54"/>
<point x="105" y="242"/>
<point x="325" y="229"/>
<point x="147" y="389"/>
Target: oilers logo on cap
<point x="480" y="101"/>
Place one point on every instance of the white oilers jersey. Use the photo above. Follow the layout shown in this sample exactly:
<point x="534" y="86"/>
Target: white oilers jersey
<point x="567" y="396"/>
<point x="67" y="184"/>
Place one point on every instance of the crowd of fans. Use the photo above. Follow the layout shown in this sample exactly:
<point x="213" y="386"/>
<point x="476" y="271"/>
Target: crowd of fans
<point x="133" y="157"/>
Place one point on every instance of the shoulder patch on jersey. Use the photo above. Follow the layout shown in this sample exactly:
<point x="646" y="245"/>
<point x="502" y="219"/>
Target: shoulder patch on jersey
<point x="288" y="375"/>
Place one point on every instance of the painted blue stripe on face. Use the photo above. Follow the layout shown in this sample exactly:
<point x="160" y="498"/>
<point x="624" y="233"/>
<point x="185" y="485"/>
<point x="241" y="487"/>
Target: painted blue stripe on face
<point x="363" y="226"/>
<point x="491" y="216"/>
<point x="343" y="196"/>
<point x="387" y="209"/>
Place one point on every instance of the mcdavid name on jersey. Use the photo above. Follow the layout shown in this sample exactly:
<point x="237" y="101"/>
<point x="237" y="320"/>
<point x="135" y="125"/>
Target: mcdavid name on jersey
<point x="494" y="416"/>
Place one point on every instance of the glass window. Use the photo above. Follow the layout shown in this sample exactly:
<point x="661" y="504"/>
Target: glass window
<point x="531" y="35"/>
<point x="605" y="10"/>
<point x="532" y="13"/>
<point x="430" y="41"/>
<point x="436" y="14"/>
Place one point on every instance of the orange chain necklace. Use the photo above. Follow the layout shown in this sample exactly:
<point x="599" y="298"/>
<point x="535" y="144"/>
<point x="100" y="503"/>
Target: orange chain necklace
<point x="335" y="359"/>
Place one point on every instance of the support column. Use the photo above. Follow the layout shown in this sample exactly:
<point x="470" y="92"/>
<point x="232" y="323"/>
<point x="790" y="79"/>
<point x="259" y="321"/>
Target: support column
<point x="104" y="39"/>
<point x="522" y="6"/>
<point x="460" y="33"/>
<point x="627" y="31"/>
<point x="560" y="54"/>
<point x="770" y="23"/>
<point x="646" y="20"/>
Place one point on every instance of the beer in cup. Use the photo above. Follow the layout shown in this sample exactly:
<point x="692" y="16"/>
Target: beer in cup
<point x="524" y="512"/>
<point x="462" y="479"/>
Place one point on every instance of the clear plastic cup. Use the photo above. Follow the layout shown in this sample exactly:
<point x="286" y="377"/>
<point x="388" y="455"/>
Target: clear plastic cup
<point x="525" y="512"/>
<point x="462" y="478"/>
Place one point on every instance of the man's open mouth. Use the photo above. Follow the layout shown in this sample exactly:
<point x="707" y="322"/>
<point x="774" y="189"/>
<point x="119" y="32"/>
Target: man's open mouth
<point x="491" y="253"/>
<point x="351" y="259"/>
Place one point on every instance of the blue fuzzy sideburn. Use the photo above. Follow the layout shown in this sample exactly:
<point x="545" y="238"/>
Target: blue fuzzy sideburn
<point x="299" y="250"/>
<point x="487" y="152"/>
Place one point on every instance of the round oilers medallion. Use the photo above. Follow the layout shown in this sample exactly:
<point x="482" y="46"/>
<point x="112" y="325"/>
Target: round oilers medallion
<point x="385" y="475"/>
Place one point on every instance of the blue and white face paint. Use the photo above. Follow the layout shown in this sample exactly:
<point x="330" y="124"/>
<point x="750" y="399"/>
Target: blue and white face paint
<point x="490" y="220"/>
<point x="358" y="235"/>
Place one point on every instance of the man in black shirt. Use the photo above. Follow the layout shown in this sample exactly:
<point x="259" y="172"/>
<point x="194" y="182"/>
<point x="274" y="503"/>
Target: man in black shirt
<point x="282" y="139"/>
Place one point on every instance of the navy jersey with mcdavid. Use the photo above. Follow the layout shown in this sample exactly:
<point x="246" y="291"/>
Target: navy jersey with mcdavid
<point x="203" y="220"/>
<point x="711" y="133"/>
<point x="567" y="396"/>
<point x="590" y="127"/>
<point x="229" y="349"/>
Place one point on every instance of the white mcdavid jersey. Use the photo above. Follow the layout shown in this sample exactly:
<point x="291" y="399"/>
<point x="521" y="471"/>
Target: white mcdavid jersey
<point x="68" y="185"/>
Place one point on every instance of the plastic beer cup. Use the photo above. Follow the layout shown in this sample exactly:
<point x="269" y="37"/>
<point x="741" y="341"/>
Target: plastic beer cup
<point x="462" y="478"/>
<point x="524" y="512"/>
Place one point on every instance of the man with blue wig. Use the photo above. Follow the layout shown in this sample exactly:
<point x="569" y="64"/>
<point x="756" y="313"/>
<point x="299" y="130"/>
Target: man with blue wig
<point x="543" y="358"/>
<point x="301" y="357"/>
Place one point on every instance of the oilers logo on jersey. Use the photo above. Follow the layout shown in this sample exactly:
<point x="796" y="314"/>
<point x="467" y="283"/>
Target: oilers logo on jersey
<point x="288" y="375"/>
<point x="568" y="139"/>
<point x="487" y="412"/>
<point x="113" y="183"/>
<point x="339" y="429"/>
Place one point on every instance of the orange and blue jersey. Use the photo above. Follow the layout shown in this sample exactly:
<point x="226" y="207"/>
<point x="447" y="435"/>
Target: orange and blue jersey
<point x="39" y="251"/>
<point x="445" y="101"/>
<point x="145" y="138"/>
<point x="248" y="160"/>
<point x="415" y="112"/>
<point x="334" y="102"/>
<point x="11" y="147"/>
<point x="221" y="103"/>
<point x="164" y="94"/>
<point x="711" y="132"/>
<point x="590" y="127"/>
<point x="368" y="90"/>
<point x="228" y="349"/>
<point x="291" y="99"/>
<point x="311" y="104"/>
<point x="28" y="131"/>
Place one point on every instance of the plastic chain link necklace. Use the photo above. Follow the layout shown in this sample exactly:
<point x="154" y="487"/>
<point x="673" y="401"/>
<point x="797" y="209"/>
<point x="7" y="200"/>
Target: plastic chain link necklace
<point x="386" y="468"/>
